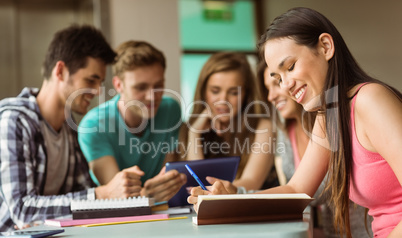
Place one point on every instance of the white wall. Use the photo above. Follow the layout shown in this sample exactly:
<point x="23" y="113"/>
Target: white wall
<point x="372" y="30"/>
<point x="27" y="28"/>
<point x="154" y="21"/>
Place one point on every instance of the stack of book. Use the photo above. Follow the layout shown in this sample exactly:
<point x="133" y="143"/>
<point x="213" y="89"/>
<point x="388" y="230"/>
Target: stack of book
<point x="103" y="208"/>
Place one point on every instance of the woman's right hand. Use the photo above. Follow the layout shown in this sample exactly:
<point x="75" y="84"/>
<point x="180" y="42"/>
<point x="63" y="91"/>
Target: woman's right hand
<point x="202" y="123"/>
<point x="217" y="188"/>
<point x="206" y="122"/>
<point x="229" y="187"/>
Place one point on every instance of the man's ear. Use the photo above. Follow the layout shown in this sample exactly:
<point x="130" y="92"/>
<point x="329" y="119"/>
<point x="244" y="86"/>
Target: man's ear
<point x="60" y="71"/>
<point x="117" y="84"/>
<point x="326" y="45"/>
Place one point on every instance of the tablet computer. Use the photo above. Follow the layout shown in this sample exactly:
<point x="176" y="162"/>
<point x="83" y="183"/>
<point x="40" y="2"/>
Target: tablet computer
<point x="222" y="168"/>
<point x="30" y="234"/>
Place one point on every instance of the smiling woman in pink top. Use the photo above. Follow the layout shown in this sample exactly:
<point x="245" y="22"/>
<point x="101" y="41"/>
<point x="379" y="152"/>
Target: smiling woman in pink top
<point x="296" y="126"/>
<point x="358" y="132"/>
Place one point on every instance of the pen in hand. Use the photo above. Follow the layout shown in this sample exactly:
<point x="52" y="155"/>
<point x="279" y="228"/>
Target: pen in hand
<point x="195" y="177"/>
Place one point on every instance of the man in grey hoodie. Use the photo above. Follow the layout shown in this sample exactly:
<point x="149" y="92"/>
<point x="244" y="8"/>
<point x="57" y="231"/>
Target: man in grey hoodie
<point x="41" y="164"/>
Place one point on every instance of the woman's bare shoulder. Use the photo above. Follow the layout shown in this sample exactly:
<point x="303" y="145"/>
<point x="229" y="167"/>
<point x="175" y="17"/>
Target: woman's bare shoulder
<point x="374" y="96"/>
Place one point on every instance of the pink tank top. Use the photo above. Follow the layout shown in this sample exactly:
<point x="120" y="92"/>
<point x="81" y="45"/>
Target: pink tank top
<point x="374" y="185"/>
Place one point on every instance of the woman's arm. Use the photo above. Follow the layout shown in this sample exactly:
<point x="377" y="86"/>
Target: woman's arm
<point x="261" y="158"/>
<point x="396" y="232"/>
<point x="314" y="164"/>
<point x="378" y="124"/>
<point x="308" y="176"/>
<point x="194" y="142"/>
<point x="379" y="128"/>
<point x="194" y="146"/>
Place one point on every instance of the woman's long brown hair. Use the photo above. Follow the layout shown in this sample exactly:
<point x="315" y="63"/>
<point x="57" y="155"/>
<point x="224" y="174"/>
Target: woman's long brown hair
<point x="224" y="62"/>
<point x="304" y="26"/>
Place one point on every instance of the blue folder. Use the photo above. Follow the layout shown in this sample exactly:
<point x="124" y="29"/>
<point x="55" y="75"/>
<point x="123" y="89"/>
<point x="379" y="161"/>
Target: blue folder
<point x="222" y="168"/>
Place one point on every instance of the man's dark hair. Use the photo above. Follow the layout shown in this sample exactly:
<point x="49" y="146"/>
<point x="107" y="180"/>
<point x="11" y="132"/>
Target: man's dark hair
<point x="73" y="45"/>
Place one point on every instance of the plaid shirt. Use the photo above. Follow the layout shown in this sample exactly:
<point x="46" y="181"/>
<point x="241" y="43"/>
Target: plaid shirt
<point x="23" y="166"/>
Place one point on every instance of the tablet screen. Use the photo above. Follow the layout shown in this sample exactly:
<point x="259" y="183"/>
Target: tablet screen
<point x="222" y="168"/>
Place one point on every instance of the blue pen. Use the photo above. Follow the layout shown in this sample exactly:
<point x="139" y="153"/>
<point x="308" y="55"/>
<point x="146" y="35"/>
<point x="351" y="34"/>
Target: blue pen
<point x="195" y="177"/>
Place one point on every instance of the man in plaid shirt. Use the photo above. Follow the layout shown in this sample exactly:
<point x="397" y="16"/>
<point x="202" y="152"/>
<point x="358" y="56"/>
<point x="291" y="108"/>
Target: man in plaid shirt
<point x="41" y="165"/>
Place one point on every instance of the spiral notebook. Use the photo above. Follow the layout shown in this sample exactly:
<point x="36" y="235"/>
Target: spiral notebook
<point x="103" y="208"/>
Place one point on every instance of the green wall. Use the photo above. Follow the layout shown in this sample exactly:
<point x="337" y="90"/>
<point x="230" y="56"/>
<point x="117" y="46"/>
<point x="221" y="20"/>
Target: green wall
<point x="205" y="29"/>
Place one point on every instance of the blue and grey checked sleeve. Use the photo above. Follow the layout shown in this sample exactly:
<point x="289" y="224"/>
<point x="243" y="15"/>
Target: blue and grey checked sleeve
<point x="23" y="166"/>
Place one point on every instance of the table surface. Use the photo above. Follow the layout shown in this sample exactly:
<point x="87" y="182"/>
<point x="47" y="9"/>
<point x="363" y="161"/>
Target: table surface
<point x="185" y="228"/>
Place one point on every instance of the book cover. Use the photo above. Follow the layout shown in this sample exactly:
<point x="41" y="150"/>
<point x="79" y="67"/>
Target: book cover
<point x="160" y="206"/>
<point x="74" y="222"/>
<point x="240" y="208"/>
<point x="175" y="211"/>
